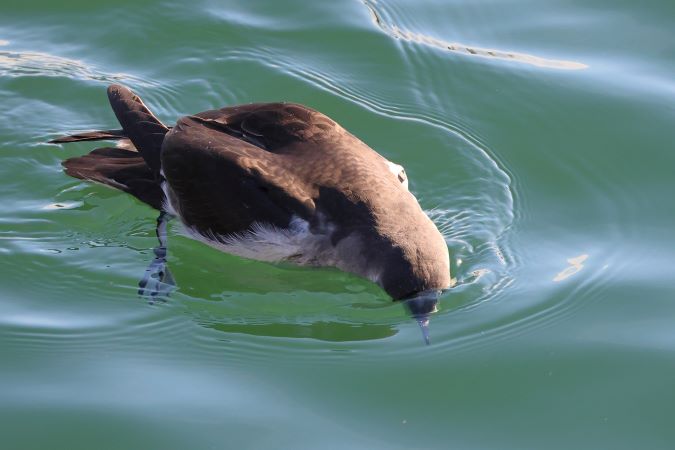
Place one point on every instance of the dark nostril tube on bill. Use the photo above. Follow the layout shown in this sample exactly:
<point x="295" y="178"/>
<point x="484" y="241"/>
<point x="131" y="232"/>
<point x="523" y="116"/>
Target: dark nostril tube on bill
<point x="421" y="306"/>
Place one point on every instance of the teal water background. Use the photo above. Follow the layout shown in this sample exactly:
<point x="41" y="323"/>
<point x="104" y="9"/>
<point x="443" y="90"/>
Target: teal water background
<point x="538" y="135"/>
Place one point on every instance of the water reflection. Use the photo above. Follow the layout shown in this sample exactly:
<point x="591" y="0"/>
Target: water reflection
<point x="322" y="330"/>
<point x="235" y="295"/>
<point x="576" y="264"/>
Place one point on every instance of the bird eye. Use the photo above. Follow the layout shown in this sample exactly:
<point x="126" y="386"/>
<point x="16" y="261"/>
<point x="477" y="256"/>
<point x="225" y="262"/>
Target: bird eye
<point x="402" y="176"/>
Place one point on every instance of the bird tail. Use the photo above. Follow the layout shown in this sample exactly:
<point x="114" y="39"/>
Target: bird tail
<point x="121" y="169"/>
<point x="133" y="170"/>
<point x="103" y="135"/>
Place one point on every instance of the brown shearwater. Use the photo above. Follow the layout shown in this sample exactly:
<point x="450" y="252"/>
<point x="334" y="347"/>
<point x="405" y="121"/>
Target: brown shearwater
<point x="275" y="182"/>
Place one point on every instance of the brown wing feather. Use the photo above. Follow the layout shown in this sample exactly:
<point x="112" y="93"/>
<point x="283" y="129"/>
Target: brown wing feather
<point x="271" y="126"/>
<point x="141" y="126"/>
<point x="267" y="155"/>
<point x="122" y="169"/>
<point x="223" y="184"/>
<point x="102" y="135"/>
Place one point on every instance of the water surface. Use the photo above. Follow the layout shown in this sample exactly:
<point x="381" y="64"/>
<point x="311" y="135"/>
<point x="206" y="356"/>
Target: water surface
<point x="538" y="135"/>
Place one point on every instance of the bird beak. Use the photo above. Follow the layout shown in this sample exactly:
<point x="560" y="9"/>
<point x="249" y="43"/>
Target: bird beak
<point x="421" y="306"/>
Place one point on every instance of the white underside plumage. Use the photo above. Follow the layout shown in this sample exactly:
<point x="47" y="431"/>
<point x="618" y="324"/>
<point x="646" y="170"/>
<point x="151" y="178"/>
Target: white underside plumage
<point x="265" y="242"/>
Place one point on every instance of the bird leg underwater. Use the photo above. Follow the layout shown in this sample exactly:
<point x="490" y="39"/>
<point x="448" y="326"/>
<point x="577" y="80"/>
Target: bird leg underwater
<point x="157" y="282"/>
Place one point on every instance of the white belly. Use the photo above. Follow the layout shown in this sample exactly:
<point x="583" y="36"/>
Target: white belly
<point x="264" y="242"/>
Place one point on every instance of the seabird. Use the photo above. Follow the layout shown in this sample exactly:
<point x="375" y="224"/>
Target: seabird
<point x="275" y="182"/>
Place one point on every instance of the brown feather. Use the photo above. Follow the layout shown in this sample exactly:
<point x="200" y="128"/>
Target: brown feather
<point x="122" y="169"/>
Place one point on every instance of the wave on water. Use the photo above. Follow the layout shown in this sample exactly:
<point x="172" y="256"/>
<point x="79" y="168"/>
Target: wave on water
<point x="399" y="33"/>
<point x="28" y="63"/>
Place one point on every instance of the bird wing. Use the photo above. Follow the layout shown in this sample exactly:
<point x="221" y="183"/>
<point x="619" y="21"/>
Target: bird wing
<point x="223" y="183"/>
<point x="139" y="124"/>
<point x="275" y="127"/>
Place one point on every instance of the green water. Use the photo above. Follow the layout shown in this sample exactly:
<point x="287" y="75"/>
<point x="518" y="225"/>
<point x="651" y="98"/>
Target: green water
<point x="534" y="133"/>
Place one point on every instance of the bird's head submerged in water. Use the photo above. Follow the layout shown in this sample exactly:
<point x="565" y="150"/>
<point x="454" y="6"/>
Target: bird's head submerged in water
<point x="383" y="234"/>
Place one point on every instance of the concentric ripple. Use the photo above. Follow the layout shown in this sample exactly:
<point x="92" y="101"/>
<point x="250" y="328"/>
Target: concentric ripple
<point x="455" y="169"/>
